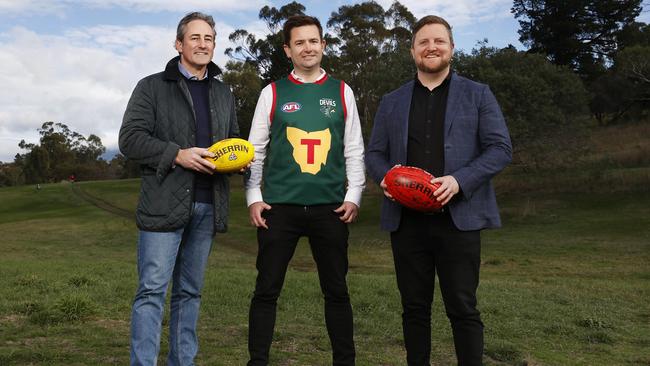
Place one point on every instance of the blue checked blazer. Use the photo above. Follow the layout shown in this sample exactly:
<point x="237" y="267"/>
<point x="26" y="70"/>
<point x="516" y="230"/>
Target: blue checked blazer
<point x="476" y="146"/>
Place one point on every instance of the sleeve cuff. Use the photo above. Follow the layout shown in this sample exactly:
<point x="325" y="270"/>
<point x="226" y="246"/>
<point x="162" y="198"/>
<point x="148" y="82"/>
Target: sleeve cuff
<point x="354" y="195"/>
<point x="253" y="195"/>
<point x="167" y="160"/>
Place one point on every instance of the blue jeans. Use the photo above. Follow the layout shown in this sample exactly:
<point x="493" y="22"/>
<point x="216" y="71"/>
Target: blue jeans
<point x="180" y="256"/>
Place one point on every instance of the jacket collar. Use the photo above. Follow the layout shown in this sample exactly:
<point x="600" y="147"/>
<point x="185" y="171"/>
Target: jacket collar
<point x="173" y="73"/>
<point x="454" y="97"/>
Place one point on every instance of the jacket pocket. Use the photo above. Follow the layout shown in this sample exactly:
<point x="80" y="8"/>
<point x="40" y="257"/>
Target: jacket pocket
<point x="153" y="200"/>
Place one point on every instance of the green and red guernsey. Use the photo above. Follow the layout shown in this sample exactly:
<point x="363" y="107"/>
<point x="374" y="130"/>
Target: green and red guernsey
<point x="305" y="164"/>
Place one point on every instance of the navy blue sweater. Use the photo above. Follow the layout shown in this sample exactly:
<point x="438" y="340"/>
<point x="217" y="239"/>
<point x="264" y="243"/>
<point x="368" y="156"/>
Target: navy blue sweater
<point x="199" y="89"/>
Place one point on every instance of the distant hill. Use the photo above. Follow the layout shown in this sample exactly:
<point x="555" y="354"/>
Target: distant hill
<point x="110" y="154"/>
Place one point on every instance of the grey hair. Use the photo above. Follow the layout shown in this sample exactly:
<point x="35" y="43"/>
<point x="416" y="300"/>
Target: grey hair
<point x="182" y="25"/>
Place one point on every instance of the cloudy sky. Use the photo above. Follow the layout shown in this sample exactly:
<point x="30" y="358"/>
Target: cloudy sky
<point x="77" y="61"/>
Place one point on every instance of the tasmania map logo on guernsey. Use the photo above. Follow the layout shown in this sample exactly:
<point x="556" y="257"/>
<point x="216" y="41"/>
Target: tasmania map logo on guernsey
<point x="291" y="107"/>
<point x="310" y="149"/>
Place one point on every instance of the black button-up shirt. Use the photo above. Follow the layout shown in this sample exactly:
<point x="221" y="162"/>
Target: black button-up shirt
<point x="425" y="148"/>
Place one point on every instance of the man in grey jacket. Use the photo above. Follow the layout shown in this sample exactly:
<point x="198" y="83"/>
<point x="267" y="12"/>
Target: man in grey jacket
<point x="170" y="120"/>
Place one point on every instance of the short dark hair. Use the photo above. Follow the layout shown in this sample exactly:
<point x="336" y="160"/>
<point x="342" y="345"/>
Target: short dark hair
<point x="182" y="25"/>
<point x="295" y="21"/>
<point x="431" y="19"/>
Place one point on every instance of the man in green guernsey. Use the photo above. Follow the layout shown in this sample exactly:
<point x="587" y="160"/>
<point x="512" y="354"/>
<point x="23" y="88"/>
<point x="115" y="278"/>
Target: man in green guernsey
<point x="309" y="156"/>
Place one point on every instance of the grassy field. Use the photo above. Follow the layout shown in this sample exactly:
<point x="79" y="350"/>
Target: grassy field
<point x="565" y="282"/>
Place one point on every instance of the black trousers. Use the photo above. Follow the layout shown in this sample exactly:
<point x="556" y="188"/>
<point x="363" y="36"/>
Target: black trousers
<point x="328" y="239"/>
<point x="423" y="246"/>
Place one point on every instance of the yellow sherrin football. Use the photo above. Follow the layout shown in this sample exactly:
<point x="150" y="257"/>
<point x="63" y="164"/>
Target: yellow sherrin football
<point x="231" y="154"/>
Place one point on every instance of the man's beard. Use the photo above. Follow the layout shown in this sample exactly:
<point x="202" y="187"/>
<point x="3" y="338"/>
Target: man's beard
<point x="443" y="65"/>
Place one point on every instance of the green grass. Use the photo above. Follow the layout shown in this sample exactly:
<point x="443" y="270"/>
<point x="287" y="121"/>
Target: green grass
<point x="565" y="282"/>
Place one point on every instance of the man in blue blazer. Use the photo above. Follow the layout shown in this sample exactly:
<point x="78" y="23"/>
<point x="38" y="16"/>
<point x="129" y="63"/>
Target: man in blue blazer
<point x="453" y="128"/>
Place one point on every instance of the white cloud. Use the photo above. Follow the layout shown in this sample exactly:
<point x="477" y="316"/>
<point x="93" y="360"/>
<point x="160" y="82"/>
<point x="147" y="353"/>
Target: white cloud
<point x="83" y="78"/>
<point x="175" y="5"/>
<point x="457" y="12"/>
<point x="60" y="6"/>
<point x="31" y="6"/>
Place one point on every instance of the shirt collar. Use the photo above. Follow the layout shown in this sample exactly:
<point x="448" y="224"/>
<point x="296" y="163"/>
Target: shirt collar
<point x="299" y="79"/>
<point x="444" y="83"/>
<point x="188" y="75"/>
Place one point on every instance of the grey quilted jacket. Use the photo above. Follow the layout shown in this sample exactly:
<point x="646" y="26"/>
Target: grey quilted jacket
<point x="159" y="120"/>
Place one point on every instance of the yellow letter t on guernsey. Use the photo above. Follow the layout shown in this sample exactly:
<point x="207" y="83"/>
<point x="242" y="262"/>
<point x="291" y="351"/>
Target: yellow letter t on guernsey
<point x="310" y="149"/>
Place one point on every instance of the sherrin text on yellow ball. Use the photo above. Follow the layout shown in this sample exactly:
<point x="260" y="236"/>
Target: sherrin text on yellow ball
<point x="231" y="155"/>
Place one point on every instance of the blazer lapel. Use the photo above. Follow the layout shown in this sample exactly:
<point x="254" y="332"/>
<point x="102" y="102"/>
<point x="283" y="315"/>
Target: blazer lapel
<point x="456" y="87"/>
<point x="401" y="117"/>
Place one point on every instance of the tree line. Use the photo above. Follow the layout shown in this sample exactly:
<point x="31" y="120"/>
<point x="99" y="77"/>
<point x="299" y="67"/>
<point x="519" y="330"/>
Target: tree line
<point x="63" y="154"/>
<point x="587" y="63"/>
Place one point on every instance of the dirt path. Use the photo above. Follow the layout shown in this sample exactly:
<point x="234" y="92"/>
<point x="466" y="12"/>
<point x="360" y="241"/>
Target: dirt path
<point x="299" y="264"/>
<point x="101" y="204"/>
<point x="127" y="214"/>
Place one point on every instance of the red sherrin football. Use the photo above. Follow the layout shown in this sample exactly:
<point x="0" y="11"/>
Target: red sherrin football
<point x="412" y="187"/>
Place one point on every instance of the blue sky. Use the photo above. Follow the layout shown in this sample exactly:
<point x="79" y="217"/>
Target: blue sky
<point x="77" y="61"/>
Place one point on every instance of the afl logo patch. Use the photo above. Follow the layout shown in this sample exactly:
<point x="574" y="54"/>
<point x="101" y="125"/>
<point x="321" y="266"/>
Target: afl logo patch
<point x="291" y="107"/>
